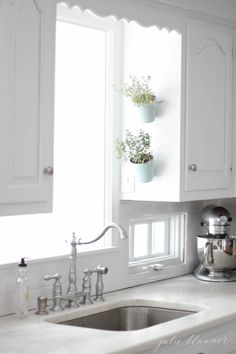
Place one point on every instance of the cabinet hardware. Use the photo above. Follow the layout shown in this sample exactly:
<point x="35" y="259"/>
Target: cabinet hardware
<point x="192" y="167"/>
<point x="48" y="171"/>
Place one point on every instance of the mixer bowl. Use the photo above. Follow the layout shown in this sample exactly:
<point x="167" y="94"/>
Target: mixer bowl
<point x="217" y="254"/>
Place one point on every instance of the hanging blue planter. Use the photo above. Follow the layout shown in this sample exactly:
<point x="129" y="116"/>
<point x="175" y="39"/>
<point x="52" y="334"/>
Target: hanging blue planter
<point x="144" y="172"/>
<point x="147" y="112"/>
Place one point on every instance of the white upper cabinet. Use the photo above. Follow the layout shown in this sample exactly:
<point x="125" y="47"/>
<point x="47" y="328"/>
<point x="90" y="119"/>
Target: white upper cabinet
<point x="209" y="110"/>
<point x="26" y="105"/>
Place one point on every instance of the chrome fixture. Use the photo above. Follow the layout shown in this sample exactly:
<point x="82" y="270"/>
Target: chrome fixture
<point x="56" y="292"/>
<point x="216" y="247"/>
<point x="41" y="306"/>
<point x="100" y="270"/>
<point x="119" y="228"/>
<point x="86" y="287"/>
<point x="72" y="293"/>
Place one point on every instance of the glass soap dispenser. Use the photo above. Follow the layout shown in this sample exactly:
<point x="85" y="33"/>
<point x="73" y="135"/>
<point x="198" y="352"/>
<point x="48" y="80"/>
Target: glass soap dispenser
<point x="22" y="290"/>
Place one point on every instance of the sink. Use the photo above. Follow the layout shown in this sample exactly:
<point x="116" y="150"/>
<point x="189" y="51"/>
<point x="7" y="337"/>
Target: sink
<point x="127" y="318"/>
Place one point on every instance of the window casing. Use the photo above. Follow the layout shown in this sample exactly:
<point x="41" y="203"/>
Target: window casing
<point x="157" y="240"/>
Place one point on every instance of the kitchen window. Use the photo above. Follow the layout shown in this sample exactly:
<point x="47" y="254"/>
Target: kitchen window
<point x="84" y="71"/>
<point x="157" y="240"/>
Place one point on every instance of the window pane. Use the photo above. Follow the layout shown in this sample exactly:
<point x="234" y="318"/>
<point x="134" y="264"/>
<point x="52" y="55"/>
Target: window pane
<point x="159" y="237"/>
<point x="157" y="240"/>
<point x="140" y="240"/>
<point x="80" y="127"/>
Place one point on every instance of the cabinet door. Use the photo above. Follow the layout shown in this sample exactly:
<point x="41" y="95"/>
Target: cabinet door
<point x="209" y="112"/>
<point x="27" y="43"/>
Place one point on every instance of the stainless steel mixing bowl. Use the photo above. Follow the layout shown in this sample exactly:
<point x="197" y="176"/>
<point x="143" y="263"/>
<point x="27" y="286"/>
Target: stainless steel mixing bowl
<point x="217" y="254"/>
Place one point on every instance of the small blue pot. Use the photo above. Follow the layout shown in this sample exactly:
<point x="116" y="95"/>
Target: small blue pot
<point x="144" y="172"/>
<point x="147" y="112"/>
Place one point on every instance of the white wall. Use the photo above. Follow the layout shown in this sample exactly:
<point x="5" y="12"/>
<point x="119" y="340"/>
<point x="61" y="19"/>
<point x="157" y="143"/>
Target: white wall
<point x="117" y="276"/>
<point x="113" y="280"/>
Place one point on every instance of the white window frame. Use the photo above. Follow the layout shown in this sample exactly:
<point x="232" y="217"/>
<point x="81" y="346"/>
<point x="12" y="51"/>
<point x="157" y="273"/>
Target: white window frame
<point x="117" y="250"/>
<point x="175" y="237"/>
<point x="117" y="255"/>
<point x="114" y="32"/>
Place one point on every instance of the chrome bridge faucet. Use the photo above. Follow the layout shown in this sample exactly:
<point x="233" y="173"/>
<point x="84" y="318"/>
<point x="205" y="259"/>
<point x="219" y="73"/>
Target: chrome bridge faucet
<point x="72" y="292"/>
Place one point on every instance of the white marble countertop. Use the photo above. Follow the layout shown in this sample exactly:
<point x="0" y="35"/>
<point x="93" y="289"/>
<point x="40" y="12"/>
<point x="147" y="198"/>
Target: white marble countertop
<point x="33" y="335"/>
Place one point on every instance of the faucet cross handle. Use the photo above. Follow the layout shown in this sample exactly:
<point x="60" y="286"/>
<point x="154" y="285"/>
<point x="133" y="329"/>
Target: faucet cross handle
<point x="55" y="276"/>
<point x="56" y="292"/>
<point x="74" y="241"/>
<point x="86" y="286"/>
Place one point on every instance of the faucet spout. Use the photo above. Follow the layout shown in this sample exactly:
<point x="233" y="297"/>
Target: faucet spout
<point x="122" y="233"/>
<point x="72" y="292"/>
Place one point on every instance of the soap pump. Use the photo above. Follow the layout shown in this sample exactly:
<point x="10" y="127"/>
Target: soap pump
<point x="22" y="290"/>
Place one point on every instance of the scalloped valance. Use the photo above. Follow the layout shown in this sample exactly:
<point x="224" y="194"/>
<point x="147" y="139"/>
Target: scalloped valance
<point x="131" y="10"/>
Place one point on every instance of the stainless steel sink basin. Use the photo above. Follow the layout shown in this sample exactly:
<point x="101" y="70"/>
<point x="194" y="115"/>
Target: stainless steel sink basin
<point x="127" y="318"/>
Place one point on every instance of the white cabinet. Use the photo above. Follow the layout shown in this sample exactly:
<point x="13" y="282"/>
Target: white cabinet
<point x="193" y="160"/>
<point x="208" y="110"/>
<point x="27" y="42"/>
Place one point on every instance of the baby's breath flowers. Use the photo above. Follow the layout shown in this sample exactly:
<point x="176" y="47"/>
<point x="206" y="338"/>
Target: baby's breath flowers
<point x="139" y="91"/>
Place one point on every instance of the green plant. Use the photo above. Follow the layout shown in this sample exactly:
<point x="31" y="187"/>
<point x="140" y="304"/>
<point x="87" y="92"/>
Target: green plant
<point x="135" y="148"/>
<point x="139" y="91"/>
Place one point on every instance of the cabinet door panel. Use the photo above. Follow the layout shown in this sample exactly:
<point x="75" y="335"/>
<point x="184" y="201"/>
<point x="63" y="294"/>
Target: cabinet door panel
<point x="27" y="85"/>
<point x="209" y="86"/>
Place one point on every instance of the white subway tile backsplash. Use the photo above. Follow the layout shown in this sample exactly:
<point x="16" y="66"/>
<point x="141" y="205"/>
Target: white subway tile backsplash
<point x="128" y="210"/>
